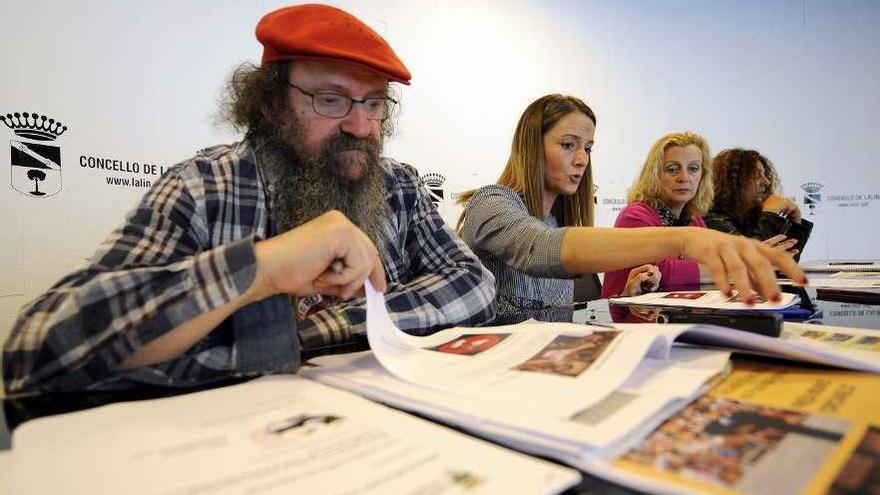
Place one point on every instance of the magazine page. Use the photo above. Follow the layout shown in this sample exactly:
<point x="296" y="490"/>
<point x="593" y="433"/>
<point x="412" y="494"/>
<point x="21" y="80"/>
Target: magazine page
<point x="765" y="429"/>
<point x="856" y="344"/>
<point x="850" y="348"/>
<point x="654" y="391"/>
<point x="273" y="435"/>
<point x="710" y="299"/>
<point x="571" y="366"/>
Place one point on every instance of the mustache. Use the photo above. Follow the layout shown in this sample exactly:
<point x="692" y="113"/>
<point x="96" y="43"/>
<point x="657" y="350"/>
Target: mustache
<point x="347" y="142"/>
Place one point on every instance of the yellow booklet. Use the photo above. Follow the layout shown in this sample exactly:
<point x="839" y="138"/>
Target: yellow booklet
<point x="769" y="429"/>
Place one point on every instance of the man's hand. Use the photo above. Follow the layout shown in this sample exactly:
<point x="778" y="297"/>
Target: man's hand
<point x="782" y="206"/>
<point x="645" y="278"/>
<point x="740" y="262"/>
<point x="328" y="255"/>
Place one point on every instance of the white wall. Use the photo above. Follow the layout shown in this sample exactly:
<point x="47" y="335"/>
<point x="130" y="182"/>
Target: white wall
<point x="138" y="82"/>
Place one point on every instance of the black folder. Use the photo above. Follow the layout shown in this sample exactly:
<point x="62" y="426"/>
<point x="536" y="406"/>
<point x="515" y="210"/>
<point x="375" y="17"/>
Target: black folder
<point x="861" y="295"/>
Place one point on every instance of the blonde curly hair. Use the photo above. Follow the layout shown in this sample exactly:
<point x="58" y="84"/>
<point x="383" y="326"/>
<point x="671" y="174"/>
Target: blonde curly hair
<point x="646" y="187"/>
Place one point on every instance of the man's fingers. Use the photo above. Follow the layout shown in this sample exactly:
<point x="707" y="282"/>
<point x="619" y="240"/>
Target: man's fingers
<point x="340" y="276"/>
<point x="342" y="285"/>
<point x="361" y="261"/>
<point x="350" y="290"/>
<point x="377" y="276"/>
<point x="345" y="276"/>
<point x="325" y="288"/>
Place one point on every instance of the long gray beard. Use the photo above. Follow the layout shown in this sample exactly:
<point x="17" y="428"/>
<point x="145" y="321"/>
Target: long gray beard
<point x="302" y="189"/>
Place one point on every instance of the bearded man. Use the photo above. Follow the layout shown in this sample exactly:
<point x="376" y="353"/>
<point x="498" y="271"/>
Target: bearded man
<point x="243" y="256"/>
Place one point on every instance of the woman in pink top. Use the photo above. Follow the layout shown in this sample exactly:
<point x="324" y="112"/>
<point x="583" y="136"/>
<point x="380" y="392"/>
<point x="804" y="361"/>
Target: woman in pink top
<point x="674" y="189"/>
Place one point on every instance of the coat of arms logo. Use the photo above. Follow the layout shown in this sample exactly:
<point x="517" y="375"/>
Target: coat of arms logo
<point x="812" y="195"/>
<point x="434" y="183"/>
<point x="35" y="163"/>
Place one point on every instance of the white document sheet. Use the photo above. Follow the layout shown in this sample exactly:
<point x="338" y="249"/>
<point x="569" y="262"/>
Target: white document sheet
<point x="657" y="389"/>
<point x="712" y="299"/>
<point x="551" y="369"/>
<point x="275" y="435"/>
<point x="848" y="348"/>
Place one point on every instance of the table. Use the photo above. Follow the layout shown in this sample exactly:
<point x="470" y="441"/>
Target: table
<point x="19" y="409"/>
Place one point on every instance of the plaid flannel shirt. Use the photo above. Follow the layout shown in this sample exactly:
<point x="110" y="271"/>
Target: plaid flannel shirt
<point x="188" y="248"/>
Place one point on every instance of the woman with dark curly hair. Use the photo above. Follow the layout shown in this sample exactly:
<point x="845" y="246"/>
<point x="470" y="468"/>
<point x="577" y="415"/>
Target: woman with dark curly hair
<point x="747" y="202"/>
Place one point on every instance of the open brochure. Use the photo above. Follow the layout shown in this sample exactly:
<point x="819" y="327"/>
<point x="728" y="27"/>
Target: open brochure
<point x="764" y="430"/>
<point x="709" y="299"/>
<point x="269" y="436"/>
<point x="656" y="389"/>
<point x="547" y="369"/>
<point x="614" y="437"/>
<point x="570" y="366"/>
<point x="849" y="348"/>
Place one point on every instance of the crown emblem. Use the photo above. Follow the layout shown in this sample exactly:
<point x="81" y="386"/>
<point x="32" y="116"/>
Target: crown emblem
<point x="33" y="126"/>
<point x="812" y="196"/>
<point x="812" y="187"/>
<point x="433" y="179"/>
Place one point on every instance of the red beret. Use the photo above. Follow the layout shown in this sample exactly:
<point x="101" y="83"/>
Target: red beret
<point x="320" y="32"/>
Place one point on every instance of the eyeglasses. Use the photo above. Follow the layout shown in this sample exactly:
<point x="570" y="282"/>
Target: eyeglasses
<point x="337" y="106"/>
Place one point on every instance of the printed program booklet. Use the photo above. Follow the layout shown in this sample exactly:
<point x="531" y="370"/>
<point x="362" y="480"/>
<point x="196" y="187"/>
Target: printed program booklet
<point x="603" y="438"/>
<point x="274" y="435"/>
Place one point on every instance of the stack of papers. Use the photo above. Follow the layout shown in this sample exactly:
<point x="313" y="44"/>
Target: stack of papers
<point x="834" y="266"/>
<point x="847" y="280"/>
<point x="275" y="435"/>
<point x="708" y="299"/>
<point x="599" y="421"/>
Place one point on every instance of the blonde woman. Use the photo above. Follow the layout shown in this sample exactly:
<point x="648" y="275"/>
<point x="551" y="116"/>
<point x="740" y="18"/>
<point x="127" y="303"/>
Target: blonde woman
<point x="674" y="189"/>
<point x="533" y="229"/>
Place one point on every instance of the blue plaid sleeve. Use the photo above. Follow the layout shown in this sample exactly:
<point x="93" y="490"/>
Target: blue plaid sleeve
<point x="166" y="265"/>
